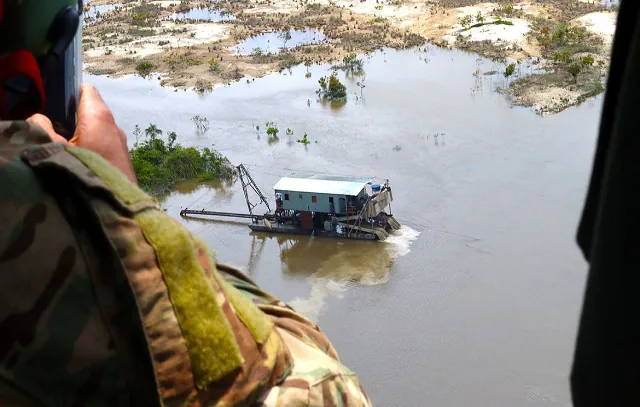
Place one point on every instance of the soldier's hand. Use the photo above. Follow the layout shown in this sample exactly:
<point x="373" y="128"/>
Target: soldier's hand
<point x="96" y="130"/>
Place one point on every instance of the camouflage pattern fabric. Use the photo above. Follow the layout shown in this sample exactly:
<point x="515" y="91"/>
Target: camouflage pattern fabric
<point x="97" y="308"/>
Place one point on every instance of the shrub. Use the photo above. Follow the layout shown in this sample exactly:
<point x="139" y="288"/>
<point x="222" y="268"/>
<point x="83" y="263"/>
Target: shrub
<point x="510" y="70"/>
<point x="272" y="129"/>
<point x="214" y="65"/>
<point x="331" y="88"/>
<point x="159" y="164"/>
<point x="144" y="68"/>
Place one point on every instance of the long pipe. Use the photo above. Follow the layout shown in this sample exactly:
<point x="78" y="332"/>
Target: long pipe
<point x="225" y="214"/>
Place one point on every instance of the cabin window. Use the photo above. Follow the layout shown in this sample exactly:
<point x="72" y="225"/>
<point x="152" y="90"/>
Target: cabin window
<point x="286" y="197"/>
<point x="330" y="199"/>
<point x="314" y="198"/>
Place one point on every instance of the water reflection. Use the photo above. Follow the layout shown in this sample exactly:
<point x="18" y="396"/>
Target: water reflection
<point x="93" y="14"/>
<point x="204" y="14"/>
<point x="340" y="260"/>
<point x="331" y="265"/>
<point x="274" y="42"/>
<point x="214" y="190"/>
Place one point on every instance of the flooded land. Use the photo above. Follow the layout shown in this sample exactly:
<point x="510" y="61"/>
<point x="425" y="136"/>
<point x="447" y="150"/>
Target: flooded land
<point x="476" y="300"/>
<point x="483" y="116"/>
<point x="202" y="45"/>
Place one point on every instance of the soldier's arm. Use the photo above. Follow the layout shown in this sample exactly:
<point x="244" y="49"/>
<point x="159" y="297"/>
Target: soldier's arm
<point x="299" y="367"/>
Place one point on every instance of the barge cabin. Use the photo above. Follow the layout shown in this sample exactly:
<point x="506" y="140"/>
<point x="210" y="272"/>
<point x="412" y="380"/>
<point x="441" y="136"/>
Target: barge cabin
<point x="331" y="206"/>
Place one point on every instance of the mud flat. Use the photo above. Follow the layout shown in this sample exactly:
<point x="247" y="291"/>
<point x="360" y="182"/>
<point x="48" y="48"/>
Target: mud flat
<point x="200" y="45"/>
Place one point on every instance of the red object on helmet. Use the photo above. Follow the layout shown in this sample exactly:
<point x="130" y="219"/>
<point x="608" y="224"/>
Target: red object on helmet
<point x="21" y="62"/>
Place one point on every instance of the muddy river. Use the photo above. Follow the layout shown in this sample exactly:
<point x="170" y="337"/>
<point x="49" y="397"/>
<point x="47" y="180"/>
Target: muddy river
<point x="476" y="300"/>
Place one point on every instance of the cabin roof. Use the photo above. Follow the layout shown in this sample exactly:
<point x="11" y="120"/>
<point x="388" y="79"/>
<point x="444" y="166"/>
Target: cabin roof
<point x="322" y="184"/>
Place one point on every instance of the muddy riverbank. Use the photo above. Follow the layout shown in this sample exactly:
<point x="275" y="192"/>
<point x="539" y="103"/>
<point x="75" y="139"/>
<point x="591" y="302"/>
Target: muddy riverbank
<point x="202" y="45"/>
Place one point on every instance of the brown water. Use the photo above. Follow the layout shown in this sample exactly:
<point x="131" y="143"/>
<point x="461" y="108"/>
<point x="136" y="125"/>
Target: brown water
<point x="476" y="301"/>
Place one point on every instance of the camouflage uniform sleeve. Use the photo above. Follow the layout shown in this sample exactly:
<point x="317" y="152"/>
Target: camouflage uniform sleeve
<point x="71" y="332"/>
<point x="55" y="348"/>
<point x="318" y="378"/>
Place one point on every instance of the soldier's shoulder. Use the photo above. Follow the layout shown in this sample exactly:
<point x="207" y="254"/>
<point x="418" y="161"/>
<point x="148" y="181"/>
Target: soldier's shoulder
<point x="315" y="380"/>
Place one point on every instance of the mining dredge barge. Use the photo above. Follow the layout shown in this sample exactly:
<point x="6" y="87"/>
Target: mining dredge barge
<point x="319" y="205"/>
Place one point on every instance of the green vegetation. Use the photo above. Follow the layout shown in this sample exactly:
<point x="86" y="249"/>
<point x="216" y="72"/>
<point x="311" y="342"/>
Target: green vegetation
<point x="563" y="57"/>
<point x="304" y="140"/>
<point x="289" y="132"/>
<point x="564" y="37"/>
<point x="202" y="86"/>
<point x="192" y="61"/>
<point x="573" y="67"/>
<point x="145" y="15"/>
<point x="510" y="70"/>
<point x="332" y="89"/>
<point x="571" y="53"/>
<point x="351" y="64"/>
<point x="507" y="9"/>
<point x="141" y="32"/>
<point x="576" y="67"/>
<point x="272" y="129"/>
<point x="160" y="164"/>
<point x="144" y="68"/>
<point x="467" y="21"/>
<point x="214" y="65"/>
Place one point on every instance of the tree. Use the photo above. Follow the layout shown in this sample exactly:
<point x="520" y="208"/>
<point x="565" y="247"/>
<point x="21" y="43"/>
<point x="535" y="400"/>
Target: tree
<point x="587" y="61"/>
<point x="510" y="70"/>
<point x="214" y="65"/>
<point x="144" y="68"/>
<point x="574" y="69"/>
<point x="331" y="88"/>
<point x="562" y="57"/>
<point x="159" y="165"/>
<point x="285" y="35"/>
<point x="152" y="131"/>
<point x="466" y="21"/>
<point x="137" y="132"/>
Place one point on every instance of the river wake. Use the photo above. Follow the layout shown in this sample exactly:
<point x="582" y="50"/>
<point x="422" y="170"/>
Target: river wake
<point x="348" y="268"/>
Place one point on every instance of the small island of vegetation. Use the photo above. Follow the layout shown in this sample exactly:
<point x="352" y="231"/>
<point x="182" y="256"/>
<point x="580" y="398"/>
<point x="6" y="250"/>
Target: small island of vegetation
<point x="332" y="89"/>
<point x="160" y="164"/>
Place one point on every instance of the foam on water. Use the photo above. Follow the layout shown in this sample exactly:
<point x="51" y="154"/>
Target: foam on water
<point x="401" y="240"/>
<point x="342" y="272"/>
